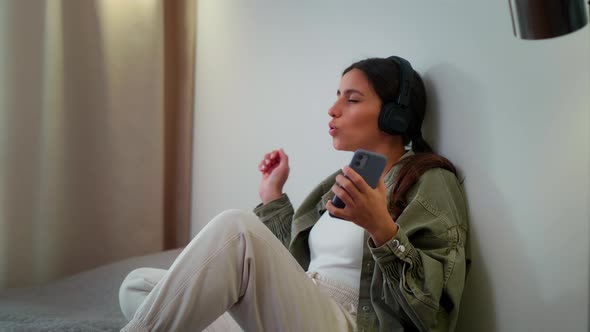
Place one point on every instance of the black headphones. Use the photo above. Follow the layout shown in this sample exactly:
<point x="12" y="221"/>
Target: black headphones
<point x="396" y="117"/>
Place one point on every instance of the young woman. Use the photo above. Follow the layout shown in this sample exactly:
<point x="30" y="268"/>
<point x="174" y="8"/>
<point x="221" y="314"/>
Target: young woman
<point x="394" y="258"/>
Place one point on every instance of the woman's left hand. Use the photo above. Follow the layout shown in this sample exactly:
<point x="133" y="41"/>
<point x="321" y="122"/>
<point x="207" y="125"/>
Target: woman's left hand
<point x="365" y="206"/>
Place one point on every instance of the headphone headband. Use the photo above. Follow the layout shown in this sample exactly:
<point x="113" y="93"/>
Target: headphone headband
<point x="406" y="73"/>
<point x="396" y="117"/>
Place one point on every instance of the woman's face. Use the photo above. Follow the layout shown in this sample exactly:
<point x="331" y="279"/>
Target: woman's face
<point x="355" y="114"/>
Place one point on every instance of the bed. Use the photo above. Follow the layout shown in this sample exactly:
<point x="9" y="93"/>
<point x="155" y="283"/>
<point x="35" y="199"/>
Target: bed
<point x="86" y="301"/>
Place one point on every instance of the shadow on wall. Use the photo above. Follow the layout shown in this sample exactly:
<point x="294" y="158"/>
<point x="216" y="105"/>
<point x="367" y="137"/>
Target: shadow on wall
<point x="456" y="106"/>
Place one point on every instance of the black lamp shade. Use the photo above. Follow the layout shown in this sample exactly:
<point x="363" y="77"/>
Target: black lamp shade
<point x="541" y="19"/>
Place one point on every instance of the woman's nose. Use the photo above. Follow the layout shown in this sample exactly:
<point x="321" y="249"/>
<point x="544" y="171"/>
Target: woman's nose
<point x="334" y="111"/>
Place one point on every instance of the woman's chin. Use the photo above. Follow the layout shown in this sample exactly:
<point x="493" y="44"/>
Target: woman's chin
<point x="336" y="145"/>
<point x="341" y="147"/>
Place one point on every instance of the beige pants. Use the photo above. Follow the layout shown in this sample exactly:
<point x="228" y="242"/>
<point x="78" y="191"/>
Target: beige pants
<point x="235" y="274"/>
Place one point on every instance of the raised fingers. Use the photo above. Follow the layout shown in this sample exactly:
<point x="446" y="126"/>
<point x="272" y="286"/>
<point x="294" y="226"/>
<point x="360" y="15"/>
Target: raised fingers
<point x="269" y="161"/>
<point x="263" y="165"/>
<point x="265" y="162"/>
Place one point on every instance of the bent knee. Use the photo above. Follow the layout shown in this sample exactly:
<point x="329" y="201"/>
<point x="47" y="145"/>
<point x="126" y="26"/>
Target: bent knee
<point x="236" y="218"/>
<point x="231" y="222"/>
<point x="233" y="214"/>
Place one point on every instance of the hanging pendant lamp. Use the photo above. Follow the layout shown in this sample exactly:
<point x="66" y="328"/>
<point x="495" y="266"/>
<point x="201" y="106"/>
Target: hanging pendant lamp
<point x="542" y="19"/>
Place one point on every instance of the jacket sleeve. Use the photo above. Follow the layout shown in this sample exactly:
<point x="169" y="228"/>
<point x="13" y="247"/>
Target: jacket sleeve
<point x="424" y="266"/>
<point x="277" y="216"/>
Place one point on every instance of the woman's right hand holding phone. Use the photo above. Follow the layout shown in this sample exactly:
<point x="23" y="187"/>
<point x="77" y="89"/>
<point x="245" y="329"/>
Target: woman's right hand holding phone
<point x="275" y="171"/>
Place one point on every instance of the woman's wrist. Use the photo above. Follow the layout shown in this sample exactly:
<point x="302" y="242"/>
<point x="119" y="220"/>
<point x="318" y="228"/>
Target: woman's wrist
<point x="267" y="198"/>
<point x="385" y="233"/>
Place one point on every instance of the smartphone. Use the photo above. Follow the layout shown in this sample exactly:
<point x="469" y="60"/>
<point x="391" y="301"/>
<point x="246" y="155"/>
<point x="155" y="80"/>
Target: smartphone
<point x="367" y="164"/>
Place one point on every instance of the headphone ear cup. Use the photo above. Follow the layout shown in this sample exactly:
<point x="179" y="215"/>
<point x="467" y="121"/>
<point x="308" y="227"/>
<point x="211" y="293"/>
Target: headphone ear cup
<point x="394" y="118"/>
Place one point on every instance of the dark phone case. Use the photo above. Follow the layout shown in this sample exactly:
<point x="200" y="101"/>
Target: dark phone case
<point x="370" y="171"/>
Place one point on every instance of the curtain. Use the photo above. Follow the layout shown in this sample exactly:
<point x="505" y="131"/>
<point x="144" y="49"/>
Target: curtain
<point x="95" y="130"/>
<point x="179" y="46"/>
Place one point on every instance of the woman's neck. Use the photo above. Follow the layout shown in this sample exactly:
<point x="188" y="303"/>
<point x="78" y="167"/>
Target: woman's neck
<point x="392" y="157"/>
<point x="393" y="153"/>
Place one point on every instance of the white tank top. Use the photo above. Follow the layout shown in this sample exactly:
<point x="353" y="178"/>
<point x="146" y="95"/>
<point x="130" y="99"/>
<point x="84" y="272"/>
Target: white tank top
<point x="336" y="248"/>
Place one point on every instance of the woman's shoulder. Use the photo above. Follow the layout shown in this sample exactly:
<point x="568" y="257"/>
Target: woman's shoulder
<point x="438" y="177"/>
<point x="439" y="190"/>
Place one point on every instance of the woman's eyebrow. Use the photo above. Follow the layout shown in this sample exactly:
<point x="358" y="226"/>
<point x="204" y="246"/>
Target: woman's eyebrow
<point x="349" y="91"/>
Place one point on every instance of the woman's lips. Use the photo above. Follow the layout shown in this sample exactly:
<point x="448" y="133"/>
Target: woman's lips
<point x="332" y="130"/>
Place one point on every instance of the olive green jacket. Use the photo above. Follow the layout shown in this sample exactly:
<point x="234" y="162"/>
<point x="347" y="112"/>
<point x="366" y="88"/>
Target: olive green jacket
<point x="413" y="282"/>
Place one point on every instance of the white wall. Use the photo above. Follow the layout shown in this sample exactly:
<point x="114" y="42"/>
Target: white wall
<point x="513" y="115"/>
